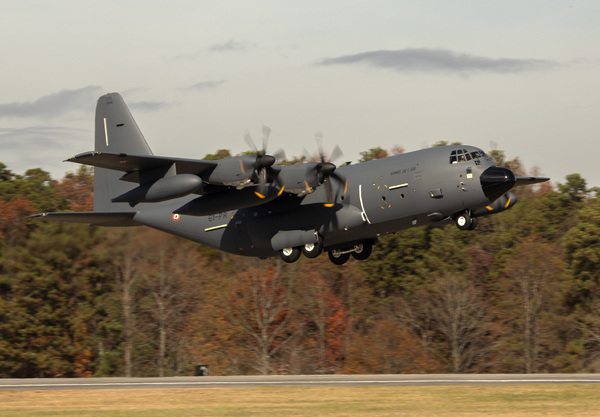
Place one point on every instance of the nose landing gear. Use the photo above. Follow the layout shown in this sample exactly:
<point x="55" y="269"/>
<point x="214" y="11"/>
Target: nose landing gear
<point x="464" y="221"/>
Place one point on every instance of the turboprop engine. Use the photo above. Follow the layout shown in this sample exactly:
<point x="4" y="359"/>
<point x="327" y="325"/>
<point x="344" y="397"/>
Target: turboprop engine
<point x="162" y="189"/>
<point x="503" y="203"/>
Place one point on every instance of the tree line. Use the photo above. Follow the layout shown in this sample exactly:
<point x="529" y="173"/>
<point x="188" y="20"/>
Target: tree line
<point x="518" y="294"/>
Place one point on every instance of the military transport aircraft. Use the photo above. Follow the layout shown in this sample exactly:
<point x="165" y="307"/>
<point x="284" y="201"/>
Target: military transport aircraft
<point x="249" y="206"/>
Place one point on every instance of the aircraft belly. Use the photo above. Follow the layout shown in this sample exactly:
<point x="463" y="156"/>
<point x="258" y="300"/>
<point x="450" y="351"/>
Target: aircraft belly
<point x="223" y="231"/>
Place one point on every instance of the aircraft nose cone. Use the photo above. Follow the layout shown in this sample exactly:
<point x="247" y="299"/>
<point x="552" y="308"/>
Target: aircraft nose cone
<point x="497" y="181"/>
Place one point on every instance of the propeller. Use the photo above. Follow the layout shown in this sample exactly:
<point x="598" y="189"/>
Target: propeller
<point x="263" y="162"/>
<point x="326" y="169"/>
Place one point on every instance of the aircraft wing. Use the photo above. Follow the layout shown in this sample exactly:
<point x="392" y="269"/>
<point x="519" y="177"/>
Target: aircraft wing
<point x="108" y="218"/>
<point x="530" y="180"/>
<point x="130" y="163"/>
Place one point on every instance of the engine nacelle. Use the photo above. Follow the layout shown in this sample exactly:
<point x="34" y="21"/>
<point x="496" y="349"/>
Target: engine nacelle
<point x="300" y="179"/>
<point x="162" y="189"/>
<point x="503" y="203"/>
<point x="227" y="200"/>
<point x="233" y="171"/>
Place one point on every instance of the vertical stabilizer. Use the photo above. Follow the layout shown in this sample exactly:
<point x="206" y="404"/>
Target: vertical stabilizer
<point x="116" y="132"/>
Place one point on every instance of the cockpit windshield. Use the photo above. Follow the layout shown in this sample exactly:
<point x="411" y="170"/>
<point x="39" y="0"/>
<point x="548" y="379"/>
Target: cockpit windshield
<point x="462" y="155"/>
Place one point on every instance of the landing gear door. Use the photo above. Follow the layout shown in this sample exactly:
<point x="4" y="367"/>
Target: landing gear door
<point x="242" y="237"/>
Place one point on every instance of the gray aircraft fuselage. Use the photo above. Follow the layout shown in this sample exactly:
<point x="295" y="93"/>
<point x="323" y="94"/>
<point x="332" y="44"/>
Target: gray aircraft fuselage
<point x="383" y="196"/>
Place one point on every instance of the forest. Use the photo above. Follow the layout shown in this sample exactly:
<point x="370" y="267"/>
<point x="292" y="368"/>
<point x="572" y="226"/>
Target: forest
<point x="519" y="294"/>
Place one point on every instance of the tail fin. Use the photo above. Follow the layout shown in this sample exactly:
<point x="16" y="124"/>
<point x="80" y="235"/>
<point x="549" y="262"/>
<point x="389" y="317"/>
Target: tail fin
<point x="116" y="131"/>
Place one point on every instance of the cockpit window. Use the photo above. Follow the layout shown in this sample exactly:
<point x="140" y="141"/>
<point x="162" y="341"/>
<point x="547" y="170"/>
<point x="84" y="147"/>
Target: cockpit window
<point x="462" y="155"/>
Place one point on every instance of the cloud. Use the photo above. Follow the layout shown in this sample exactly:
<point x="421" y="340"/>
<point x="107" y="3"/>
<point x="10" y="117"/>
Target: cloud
<point x="228" y="46"/>
<point x="39" y="140"/>
<point x="43" y="147"/>
<point x="55" y="104"/>
<point x="206" y="85"/>
<point x="439" y="60"/>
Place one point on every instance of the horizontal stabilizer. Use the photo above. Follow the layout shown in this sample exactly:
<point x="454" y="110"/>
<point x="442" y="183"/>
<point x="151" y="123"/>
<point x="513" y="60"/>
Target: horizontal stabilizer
<point x="128" y="163"/>
<point x="111" y="218"/>
<point x="530" y="180"/>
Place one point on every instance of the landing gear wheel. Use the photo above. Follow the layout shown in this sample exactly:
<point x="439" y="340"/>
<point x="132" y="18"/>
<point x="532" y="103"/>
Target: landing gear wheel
<point x="290" y="255"/>
<point x="364" y="251"/>
<point x="463" y="221"/>
<point x="338" y="258"/>
<point x="312" y="250"/>
<point x="473" y="223"/>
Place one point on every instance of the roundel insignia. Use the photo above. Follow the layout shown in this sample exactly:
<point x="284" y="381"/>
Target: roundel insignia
<point x="175" y="217"/>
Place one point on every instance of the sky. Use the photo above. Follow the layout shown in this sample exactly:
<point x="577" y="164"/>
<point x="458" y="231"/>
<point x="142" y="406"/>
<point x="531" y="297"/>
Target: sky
<point x="524" y="75"/>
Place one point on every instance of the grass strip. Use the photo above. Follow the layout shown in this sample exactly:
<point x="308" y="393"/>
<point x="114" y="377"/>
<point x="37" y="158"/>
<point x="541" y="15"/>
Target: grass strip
<point x="497" y="400"/>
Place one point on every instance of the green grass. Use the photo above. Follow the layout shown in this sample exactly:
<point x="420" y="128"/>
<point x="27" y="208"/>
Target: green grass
<point x="511" y="400"/>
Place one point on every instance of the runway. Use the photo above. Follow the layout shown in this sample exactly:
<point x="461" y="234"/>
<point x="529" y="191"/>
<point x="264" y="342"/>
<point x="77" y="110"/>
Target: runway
<point x="294" y="380"/>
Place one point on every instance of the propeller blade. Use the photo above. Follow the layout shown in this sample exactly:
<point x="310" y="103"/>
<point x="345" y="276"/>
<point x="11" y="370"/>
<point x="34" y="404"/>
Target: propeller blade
<point x="280" y="155"/>
<point x="319" y="139"/>
<point x="327" y="185"/>
<point x="262" y="183"/>
<point x="336" y="153"/>
<point x="266" y="132"/>
<point x="249" y="141"/>
<point x="341" y="179"/>
<point x="306" y="155"/>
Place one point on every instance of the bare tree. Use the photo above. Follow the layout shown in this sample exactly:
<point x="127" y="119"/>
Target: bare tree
<point x="168" y="302"/>
<point x="125" y="262"/>
<point x="168" y="267"/>
<point x="533" y="276"/>
<point x="459" y="314"/>
<point x="261" y="307"/>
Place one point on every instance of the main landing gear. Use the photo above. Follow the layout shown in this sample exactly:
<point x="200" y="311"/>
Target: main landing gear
<point x="464" y="221"/>
<point x="310" y="250"/>
<point x="359" y="251"/>
<point x="290" y="255"/>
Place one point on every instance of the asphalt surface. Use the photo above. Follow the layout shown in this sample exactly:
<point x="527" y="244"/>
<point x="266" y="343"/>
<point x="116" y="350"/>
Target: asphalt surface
<point x="294" y="381"/>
